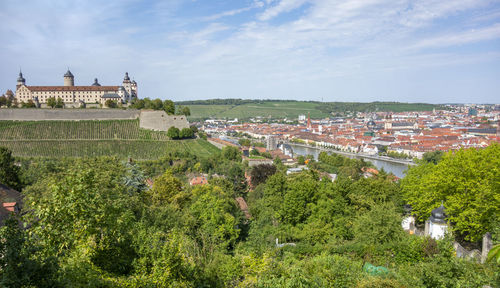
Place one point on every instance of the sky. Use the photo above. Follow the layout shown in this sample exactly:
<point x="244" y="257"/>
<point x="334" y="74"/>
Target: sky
<point x="433" y="51"/>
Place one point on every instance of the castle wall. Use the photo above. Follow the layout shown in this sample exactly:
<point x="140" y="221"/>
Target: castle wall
<point x="149" y="119"/>
<point x="67" y="114"/>
<point x="160" y="121"/>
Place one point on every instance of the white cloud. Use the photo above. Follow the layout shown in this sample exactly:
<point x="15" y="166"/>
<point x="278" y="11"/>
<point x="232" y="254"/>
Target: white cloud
<point x="282" y="7"/>
<point x="176" y="57"/>
<point x="461" y="38"/>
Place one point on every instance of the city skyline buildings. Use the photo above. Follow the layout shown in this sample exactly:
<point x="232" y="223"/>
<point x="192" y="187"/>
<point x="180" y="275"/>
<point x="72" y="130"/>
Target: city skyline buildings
<point x="406" y="51"/>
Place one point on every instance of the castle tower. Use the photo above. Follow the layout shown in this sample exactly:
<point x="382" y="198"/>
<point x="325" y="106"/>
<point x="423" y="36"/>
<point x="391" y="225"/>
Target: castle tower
<point x="127" y="84"/>
<point x="309" y="125"/>
<point x="20" y="80"/>
<point x="134" y="89"/>
<point x="69" y="79"/>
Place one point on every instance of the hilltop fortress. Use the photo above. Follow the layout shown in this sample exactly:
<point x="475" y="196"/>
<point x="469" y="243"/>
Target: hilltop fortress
<point x="76" y="95"/>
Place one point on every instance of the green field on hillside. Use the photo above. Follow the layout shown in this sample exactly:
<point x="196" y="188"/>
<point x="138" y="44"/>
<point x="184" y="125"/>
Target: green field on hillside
<point x="283" y="109"/>
<point x="122" y="138"/>
<point x="245" y="109"/>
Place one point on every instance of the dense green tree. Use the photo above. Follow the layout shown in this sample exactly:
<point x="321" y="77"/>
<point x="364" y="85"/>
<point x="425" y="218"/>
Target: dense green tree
<point x="245" y="142"/>
<point x="173" y="133"/>
<point x="167" y="189"/>
<point x="3" y="101"/>
<point x="186" y="133"/>
<point x="169" y="107"/>
<point x="214" y="212"/>
<point x="157" y="104"/>
<point x="231" y="153"/>
<point x="13" y="259"/>
<point x="367" y="192"/>
<point x="382" y="224"/>
<point x="183" y="110"/>
<point x="29" y="104"/>
<point x="194" y="128"/>
<point x="51" y="102"/>
<point x="138" y="104"/>
<point x="301" y="191"/>
<point x="19" y="266"/>
<point x="59" y="103"/>
<point x="433" y="157"/>
<point x="301" y="160"/>
<point x="85" y="213"/>
<point x="111" y="103"/>
<point x="466" y="181"/>
<point x="9" y="172"/>
<point x="260" y="173"/>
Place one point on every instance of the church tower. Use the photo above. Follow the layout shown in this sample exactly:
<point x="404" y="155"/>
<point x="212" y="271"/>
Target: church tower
<point x="20" y="80"/>
<point x="69" y="79"/>
<point x="388" y="122"/>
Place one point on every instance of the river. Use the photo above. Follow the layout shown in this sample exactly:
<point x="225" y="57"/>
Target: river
<point x="397" y="169"/>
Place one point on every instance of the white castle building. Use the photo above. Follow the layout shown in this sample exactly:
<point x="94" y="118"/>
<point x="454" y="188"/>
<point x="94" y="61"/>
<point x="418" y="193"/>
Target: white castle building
<point x="71" y="94"/>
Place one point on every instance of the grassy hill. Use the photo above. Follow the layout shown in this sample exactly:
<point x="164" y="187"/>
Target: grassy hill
<point x="244" y="109"/>
<point x="283" y="109"/>
<point x="122" y="138"/>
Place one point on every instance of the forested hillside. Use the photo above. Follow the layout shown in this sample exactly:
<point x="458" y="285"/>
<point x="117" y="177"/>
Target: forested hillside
<point x="93" y="222"/>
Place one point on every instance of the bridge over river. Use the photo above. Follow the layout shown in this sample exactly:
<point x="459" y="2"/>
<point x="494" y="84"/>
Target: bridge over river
<point x="396" y="166"/>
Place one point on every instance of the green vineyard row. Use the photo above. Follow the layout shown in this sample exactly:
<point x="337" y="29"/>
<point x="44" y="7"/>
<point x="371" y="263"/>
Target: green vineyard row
<point x="135" y="149"/>
<point x="89" y="130"/>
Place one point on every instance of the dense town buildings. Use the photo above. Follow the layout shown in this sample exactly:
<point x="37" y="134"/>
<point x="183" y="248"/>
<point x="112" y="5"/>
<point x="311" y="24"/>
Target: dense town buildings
<point x="407" y="133"/>
<point x="76" y="95"/>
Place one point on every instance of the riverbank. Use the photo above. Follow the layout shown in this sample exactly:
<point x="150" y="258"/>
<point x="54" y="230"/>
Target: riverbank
<point x="395" y="166"/>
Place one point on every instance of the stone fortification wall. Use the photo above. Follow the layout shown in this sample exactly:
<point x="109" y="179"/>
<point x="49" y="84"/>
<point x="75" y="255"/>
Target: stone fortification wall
<point x="161" y="121"/>
<point x="67" y="114"/>
<point x="149" y="119"/>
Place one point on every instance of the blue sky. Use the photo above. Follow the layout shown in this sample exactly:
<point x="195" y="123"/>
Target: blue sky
<point x="351" y="50"/>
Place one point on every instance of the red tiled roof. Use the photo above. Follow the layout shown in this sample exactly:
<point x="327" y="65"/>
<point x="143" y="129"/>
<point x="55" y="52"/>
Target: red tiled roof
<point x="198" y="181"/>
<point x="10" y="206"/>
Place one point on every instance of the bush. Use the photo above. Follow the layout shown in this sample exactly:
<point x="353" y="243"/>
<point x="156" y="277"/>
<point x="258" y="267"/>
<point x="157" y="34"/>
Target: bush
<point x="173" y="133"/>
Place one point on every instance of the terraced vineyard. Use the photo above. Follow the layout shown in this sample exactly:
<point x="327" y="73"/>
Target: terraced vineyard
<point x="89" y="130"/>
<point x="121" y="138"/>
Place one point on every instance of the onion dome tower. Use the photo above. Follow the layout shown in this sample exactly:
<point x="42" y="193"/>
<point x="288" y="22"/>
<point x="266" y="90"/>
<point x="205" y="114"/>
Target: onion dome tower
<point x="69" y="79"/>
<point x="436" y="225"/>
<point x="126" y="78"/>
<point x="20" y="80"/>
<point x="96" y="83"/>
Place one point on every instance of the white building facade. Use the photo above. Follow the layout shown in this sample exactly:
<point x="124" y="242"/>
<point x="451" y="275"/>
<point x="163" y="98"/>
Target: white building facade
<point x="71" y="94"/>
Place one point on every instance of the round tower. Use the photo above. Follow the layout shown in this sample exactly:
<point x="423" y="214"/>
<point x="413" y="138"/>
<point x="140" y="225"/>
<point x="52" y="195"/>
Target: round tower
<point x="134" y="88"/>
<point x="126" y="79"/>
<point x="69" y="79"/>
<point x="436" y="226"/>
<point x="20" y="80"/>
